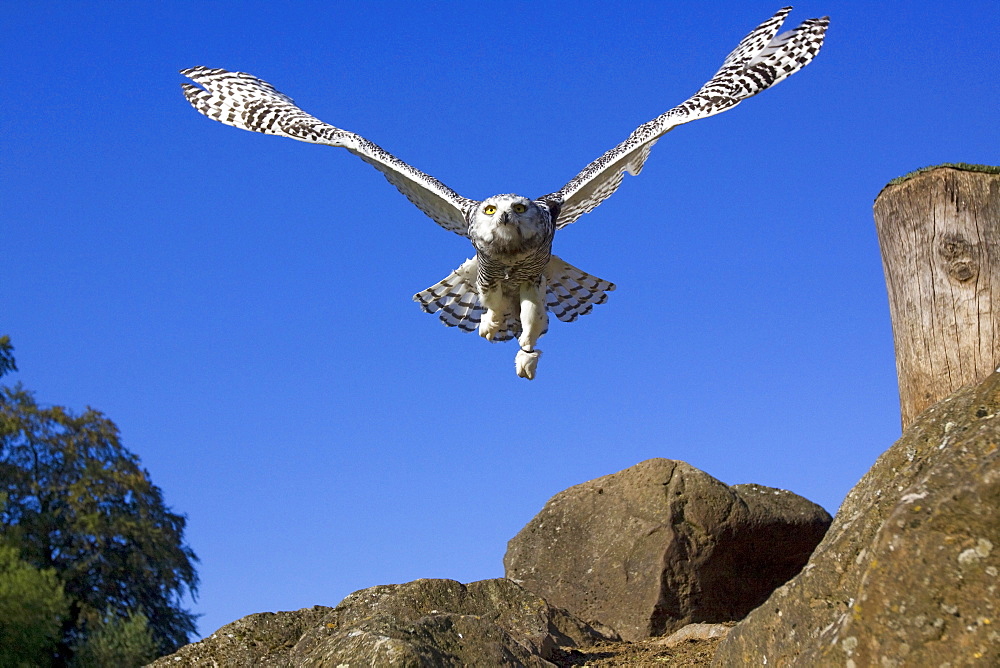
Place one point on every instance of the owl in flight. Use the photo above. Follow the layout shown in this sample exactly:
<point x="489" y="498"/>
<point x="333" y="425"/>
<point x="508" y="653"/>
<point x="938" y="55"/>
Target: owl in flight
<point x="507" y="289"/>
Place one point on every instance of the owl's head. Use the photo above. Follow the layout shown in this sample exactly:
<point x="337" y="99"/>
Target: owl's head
<point x="509" y="220"/>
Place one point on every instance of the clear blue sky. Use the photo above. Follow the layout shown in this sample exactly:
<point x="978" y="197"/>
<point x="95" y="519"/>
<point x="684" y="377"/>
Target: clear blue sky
<point x="241" y="305"/>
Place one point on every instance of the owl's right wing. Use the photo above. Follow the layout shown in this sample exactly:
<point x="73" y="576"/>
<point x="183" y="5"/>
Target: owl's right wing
<point x="246" y="102"/>
<point x="758" y="62"/>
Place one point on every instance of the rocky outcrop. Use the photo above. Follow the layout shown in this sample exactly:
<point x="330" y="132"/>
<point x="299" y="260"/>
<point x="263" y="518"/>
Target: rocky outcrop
<point x="420" y="623"/>
<point x="909" y="573"/>
<point x="694" y="633"/>
<point x="662" y="544"/>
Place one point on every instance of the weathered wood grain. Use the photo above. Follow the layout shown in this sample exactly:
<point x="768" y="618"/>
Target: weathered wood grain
<point x="939" y="233"/>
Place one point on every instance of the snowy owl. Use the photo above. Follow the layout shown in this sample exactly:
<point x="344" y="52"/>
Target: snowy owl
<point x="506" y="290"/>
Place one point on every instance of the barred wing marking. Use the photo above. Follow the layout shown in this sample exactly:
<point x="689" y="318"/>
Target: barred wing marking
<point x="246" y="102"/>
<point x="758" y="62"/>
<point x="455" y="299"/>
<point x="571" y="292"/>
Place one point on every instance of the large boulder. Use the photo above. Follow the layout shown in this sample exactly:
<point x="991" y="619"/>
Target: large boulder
<point x="908" y="573"/>
<point x="420" y="623"/>
<point x="659" y="545"/>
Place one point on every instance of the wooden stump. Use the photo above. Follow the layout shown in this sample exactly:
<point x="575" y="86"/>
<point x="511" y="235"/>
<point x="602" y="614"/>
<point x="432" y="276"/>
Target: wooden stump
<point x="939" y="232"/>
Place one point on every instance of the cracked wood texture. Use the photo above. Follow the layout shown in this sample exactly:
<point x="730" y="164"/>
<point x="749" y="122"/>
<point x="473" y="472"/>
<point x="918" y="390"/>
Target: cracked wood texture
<point x="939" y="232"/>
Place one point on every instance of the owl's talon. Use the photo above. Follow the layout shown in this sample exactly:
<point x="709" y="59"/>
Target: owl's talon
<point x="489" y="326"/>
<point x="487" y="332"/>
<point x="526" y="363"/>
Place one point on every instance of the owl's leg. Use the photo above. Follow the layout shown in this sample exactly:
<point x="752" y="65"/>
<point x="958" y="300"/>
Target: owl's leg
<point x="495" y="303"/>
<point x="534" y="317"/>
<point x="534" y="321"/>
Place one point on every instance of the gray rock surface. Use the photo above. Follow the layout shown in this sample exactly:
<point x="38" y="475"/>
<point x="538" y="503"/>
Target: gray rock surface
<point x="652" y="548"/>
<point x="908" y="574"/>
<point x="420" y="623"/>
<point x="694" y="632"/>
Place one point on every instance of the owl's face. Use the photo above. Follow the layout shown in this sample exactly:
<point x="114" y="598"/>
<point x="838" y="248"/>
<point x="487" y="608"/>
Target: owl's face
<point x="509" y="220"/>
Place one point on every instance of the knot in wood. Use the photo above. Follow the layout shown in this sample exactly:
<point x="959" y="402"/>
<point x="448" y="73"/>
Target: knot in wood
<point x="959" y="257"/>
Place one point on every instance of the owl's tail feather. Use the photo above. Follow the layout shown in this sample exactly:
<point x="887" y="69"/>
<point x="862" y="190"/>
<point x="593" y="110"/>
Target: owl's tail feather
<point x="456" y="301"/>
<point x="570" y="292"/>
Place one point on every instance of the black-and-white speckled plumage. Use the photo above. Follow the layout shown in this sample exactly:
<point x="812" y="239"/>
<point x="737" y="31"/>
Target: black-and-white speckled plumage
<point x="514" y="276"/>
<point x="569" y="293"/>
<point x="758" y="62"/>
<point x="246" y="102"/>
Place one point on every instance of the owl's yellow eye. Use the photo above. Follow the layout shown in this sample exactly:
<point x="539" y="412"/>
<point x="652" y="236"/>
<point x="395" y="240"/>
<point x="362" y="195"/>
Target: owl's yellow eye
<point x="489" y="210"/>
<point x="519" y="208"/>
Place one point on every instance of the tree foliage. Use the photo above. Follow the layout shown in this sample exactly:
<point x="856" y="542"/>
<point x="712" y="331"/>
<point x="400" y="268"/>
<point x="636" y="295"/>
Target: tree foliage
<point x="6" y="356"/>
<point x="32" y="609"/>
<point x="79" y="503"/>
<point x="117" y="641"/>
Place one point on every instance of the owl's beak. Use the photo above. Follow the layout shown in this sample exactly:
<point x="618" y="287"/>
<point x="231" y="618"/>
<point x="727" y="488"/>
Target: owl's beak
<point x="504" y="218"/>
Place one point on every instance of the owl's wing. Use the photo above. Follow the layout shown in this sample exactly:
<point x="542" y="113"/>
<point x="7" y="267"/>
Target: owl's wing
<point x="761" y="60"/>
<point x="246" y="102"/>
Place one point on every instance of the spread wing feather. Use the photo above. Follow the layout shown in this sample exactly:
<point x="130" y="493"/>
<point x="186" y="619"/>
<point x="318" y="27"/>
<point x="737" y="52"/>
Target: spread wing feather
<point x="570" y="292"/>
<point x="455" y="299"/>
<point x="758" y="62"/>
<point x="246" y="102"/>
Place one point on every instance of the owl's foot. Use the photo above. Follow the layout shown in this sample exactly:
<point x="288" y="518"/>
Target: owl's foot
<point x="526" y="362"/>
<point x="489" y="325"/>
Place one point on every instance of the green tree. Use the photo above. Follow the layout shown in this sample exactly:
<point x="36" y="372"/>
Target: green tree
<point x="6" y="356"/>
<point x="124" y="642"/>
<point x="79" y="503"/>
<point x="32" y="609"/>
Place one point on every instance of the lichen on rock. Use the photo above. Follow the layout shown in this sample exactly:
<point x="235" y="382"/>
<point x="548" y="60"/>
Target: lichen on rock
<point x="908" y="573"/>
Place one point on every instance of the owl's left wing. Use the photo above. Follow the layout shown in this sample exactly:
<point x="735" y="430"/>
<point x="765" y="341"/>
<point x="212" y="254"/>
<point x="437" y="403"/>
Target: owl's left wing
<point x="246" y="102"/>
<point x="759" y="61"/>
